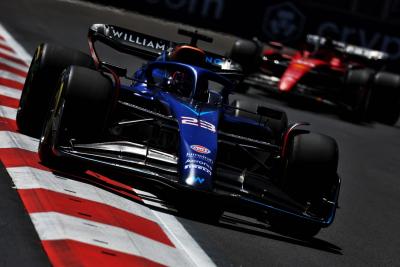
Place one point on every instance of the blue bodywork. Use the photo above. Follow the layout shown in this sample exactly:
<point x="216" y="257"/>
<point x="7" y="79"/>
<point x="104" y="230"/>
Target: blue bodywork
<point x="198" y="120"/>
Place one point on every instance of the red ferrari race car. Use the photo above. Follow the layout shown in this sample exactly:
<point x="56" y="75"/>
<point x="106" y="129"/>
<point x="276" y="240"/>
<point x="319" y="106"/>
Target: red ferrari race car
<point x="345" y="76"/>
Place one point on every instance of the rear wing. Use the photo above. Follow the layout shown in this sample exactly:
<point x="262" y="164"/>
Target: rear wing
<point x="128" y="41"/>
<point x="148" y="47"/>
<point x="349" y="49"/>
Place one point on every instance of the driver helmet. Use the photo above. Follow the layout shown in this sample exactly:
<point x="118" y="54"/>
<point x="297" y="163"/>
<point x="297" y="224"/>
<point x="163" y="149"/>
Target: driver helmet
<point x="180" y="83"/>
<point x="188" y="54"/>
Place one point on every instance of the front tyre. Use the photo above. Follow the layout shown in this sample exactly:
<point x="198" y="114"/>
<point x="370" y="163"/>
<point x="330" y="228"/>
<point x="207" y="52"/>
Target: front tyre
<point x="81" y="108"/>
<point x="41" y="83"/>
<point x="311" y="169"/>
<point x="310" y="177"/>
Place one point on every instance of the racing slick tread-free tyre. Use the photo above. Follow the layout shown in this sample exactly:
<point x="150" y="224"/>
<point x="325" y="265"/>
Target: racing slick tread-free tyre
<point x="311" y="175"/>
<point x="311" y="164"/>
<point x="359" y="77"/>
<point x="248" y="54"/>
<point x="80" y="111"/>
<point x="360" y="80"/>
<point x="385" y="99"/>
<point x="46" y="66"/>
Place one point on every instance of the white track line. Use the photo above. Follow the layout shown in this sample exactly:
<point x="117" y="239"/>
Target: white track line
<point x="56" y="226"/>
<point x="12" y="76"/>
<point x="14" y="64"/>
<point x="10" y="92"/>
<point x="7" y="112"/>
<point x="4" y="42"/>
<point x="16" y="140"/>
<point x="32" y="178"/>
<point x="181" y="238"/>
<point x="20" y="51"/>
<point x="7" y="52"/>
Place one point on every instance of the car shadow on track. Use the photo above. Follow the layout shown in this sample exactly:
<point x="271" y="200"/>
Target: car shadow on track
<point x="159" y="200"/>
<point x="258" y="229"/>
<point x="164" y="204"/>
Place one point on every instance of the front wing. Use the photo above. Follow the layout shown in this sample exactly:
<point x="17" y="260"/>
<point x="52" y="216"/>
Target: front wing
<point x="250" y="196"/>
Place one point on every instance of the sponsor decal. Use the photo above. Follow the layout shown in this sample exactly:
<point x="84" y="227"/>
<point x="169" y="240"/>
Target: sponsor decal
<point x="131" y="38"/>
<point x="214" y="61"/>
<point x="198" y="162"/>
<point x="198" y="167"/>
<point x="200" y="123"/>
<point x="283" y="22"/>
<point x="200" y="149"/>
<point x="194" y="180"/>
<point x="200" y="157"/>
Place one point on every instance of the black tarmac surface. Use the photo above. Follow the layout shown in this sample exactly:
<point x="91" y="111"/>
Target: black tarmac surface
<point x="366" y="230"/>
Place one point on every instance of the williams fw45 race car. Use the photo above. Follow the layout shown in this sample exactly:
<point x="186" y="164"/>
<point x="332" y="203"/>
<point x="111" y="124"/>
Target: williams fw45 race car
<point x="175" y="124"/>
<point x="338" y="74"/>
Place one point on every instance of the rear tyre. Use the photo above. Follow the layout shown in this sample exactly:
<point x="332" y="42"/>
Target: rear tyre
<point x="311" y="175"/>
<point x="360" y="80"/>
<point x="80" y="112"/>
<point x="247" y="53"/>
<point x="385" y="99"/>
<point x="47" y="64"/>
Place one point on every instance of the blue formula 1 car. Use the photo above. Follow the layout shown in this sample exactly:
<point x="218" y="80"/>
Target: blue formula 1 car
<point x="175" y="123"/>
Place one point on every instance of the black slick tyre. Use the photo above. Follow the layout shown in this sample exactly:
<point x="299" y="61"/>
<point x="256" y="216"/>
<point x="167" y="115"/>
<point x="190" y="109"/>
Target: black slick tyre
<point x="385" y="99"/>
<point x="47" y="64"/>
<point x="80" y="111"/>
<point x="310" y="175"/>
<point x="312" y="162"/>
<point x="360" y="81"/>
<point x="247" y="53"/>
